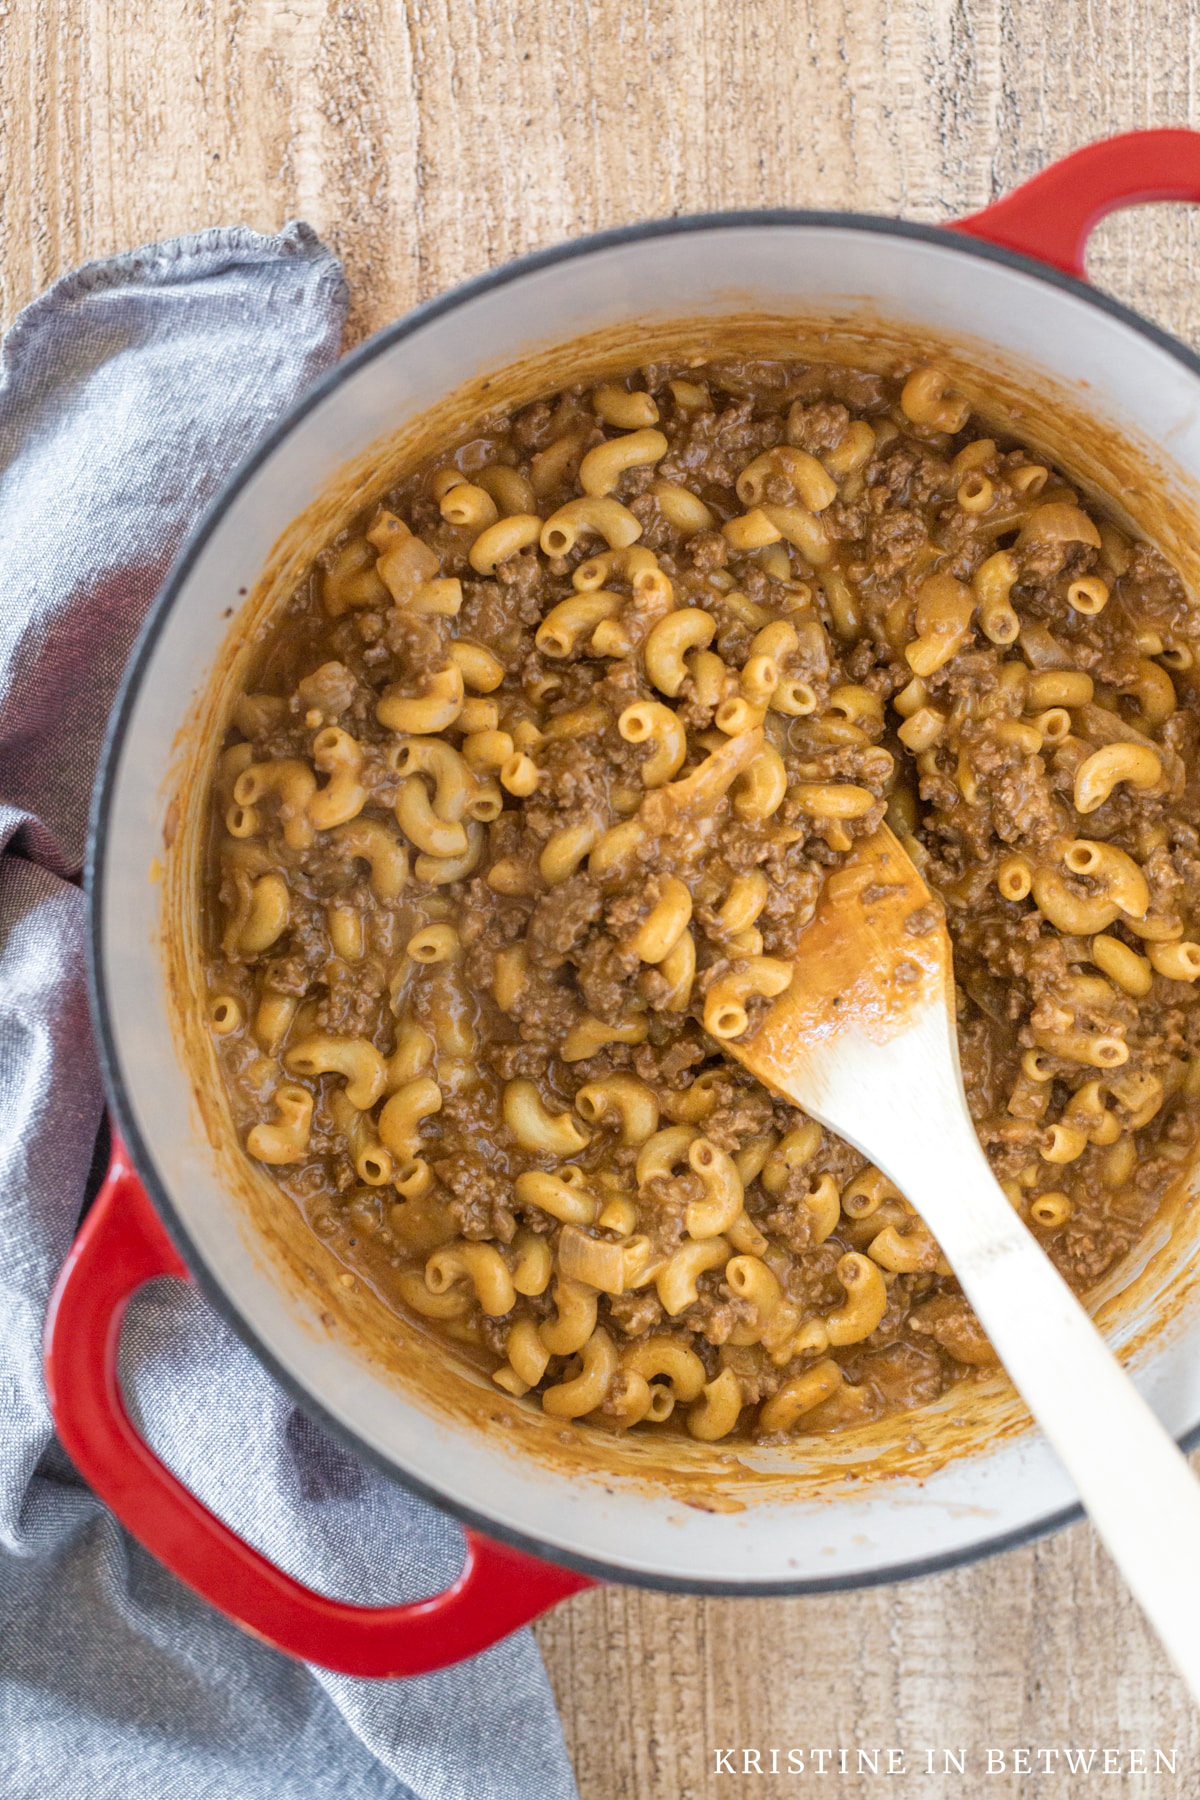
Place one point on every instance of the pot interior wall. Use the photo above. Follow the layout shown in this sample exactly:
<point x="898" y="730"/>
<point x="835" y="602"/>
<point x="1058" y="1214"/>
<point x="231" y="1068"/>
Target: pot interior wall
<point x="1116" y="408"/>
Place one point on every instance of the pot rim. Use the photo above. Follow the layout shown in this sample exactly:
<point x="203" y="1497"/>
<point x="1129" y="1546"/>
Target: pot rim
<point x="944" y="237"/>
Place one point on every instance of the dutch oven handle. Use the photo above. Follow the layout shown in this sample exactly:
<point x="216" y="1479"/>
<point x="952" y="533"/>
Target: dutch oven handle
<point x="1052" y="216"/>
<point x="121" y="1246"/>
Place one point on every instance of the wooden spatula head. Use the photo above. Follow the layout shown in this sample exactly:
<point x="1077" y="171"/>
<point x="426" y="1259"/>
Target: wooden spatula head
<point x="874" y="958"/>
<point x="864" y="1041"/>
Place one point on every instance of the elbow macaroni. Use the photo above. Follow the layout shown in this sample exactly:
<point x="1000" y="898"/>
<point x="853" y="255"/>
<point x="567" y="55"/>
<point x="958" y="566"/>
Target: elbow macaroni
<point x="523" y="821"/>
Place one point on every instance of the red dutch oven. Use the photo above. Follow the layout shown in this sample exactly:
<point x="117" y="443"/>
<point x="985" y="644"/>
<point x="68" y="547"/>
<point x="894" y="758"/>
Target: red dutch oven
<point x="1002" y="298"/>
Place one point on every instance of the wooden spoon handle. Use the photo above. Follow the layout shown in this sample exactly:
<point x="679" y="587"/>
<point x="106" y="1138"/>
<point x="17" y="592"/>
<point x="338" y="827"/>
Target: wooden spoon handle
<point x="1131" y="1476"/>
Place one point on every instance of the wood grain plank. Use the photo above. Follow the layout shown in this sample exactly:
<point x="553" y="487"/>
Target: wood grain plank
<point x="429" y="140"/>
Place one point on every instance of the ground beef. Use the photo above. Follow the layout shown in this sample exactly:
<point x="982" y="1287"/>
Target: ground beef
<point x="893" y="539"/>
<point x="487" y="617"/>
<point x="604" y="973"/>
<point x="662" y="1203"/>
<point x="789" y="1218"/>
<point x="561" y="919"/>
<point x="911" y="1373"/>
<point x="523" y="579"/>
<point x="743" y="1110"/>
<point x="950" y="1320"/>
<point x="667" y="1064"/>
<point x="717" y="1313"/>
<point x="574" y="785"/>
<point x="636" y="1314"/>
<point x="545" y="1009"/>
<point x="418" y="643"/>
<point x="720" y="443"/>
<point x="350" y="1005"/>
<point x="708" y="550"/>
<point x="539" y="980"/>
<point x="819" y="425"/>
<point x="480" y="1203"/>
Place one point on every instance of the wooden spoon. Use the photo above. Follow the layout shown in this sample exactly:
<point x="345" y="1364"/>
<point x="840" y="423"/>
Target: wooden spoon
<point x="864" y="1041"/>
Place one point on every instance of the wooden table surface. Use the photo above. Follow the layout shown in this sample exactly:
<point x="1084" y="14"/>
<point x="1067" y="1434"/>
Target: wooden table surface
<point x="433" y="140"/>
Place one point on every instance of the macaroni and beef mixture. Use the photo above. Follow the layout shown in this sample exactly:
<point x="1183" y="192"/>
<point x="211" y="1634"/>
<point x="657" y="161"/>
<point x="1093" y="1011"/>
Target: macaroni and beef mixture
<point x="528" y="805"/>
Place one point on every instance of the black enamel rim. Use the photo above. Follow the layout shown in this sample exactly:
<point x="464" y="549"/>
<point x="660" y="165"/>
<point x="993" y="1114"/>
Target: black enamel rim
<point x="98" y="846"/>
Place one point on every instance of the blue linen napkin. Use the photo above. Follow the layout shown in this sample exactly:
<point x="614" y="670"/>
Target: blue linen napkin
<point x="127" y="393"/>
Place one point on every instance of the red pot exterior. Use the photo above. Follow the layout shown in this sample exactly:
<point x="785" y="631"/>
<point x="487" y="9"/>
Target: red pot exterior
<point x="123" y="1244"/>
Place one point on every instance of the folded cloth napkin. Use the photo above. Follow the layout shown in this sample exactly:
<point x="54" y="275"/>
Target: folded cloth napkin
<point x="127" y="393"/>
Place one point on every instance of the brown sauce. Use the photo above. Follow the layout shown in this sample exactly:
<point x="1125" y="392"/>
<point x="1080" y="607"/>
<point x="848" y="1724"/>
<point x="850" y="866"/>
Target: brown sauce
<point x="550" y="905"/>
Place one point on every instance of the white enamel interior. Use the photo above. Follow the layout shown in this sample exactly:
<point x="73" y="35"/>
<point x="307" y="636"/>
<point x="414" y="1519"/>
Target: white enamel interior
<point x="782" y="266"/>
